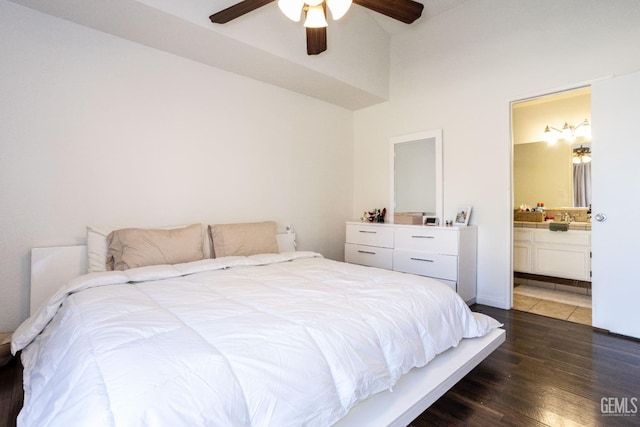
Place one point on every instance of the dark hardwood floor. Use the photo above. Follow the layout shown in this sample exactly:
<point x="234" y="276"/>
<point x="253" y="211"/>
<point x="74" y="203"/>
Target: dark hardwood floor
<point x="548" y="373"/>
<point x="10" y="392"/>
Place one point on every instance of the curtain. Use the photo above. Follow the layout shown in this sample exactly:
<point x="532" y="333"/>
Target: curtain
<point x="582" y="184"/>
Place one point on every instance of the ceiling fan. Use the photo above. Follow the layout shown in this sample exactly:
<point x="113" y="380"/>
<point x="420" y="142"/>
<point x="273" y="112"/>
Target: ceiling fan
<point x="315" y="12"/>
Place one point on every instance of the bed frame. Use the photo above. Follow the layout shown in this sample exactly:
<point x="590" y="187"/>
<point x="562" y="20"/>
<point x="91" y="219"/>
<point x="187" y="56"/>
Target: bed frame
<point x="412" y="395"/>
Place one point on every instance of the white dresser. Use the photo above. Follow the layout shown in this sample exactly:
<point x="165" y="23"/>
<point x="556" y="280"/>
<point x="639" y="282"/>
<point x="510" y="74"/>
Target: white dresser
<point x="445" y="253"/>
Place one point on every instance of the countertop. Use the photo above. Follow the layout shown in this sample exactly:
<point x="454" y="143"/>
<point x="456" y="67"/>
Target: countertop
<point x="572" y="225"/>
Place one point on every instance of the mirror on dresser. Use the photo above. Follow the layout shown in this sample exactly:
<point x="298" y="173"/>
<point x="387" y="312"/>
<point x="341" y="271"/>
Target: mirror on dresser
<point x="416" y="174"/>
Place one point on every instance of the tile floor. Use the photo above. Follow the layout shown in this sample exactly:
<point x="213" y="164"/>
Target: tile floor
<point x="552" y="303"/>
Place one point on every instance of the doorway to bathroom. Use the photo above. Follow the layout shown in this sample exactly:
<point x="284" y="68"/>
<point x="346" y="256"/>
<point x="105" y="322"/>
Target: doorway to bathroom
<point x="551" y="205"/>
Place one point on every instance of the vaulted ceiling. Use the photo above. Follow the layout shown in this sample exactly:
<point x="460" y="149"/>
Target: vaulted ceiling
<point x="263" y="44"/>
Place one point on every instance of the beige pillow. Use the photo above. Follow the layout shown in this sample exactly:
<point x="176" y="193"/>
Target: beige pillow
<point x="139" y="247"/>
<point x="243" y="239"/>
<point x="97" y="246"/>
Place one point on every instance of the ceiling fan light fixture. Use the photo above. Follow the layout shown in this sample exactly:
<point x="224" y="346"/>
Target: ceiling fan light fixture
<point x="338" y="8"/>
<point x="315" y="17"/>
<point x="291" y="8"/>
<point x="315" y="14"/>
<point x="581" y="154"/>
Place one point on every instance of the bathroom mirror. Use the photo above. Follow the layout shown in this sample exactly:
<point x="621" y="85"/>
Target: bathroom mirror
<point x="416" y="173"/>
<point x="546" y="173"/>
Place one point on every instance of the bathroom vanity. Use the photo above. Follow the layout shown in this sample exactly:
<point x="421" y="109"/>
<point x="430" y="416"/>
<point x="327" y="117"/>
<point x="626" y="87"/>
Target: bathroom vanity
<point x="564" y="254"/>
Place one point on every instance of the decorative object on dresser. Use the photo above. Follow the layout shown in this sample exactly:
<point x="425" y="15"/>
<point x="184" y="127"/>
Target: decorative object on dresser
<point x="448" y="254"/>
<point x="431" y="220"/>
<point x="375" y="215"/>
<point x="408" y="218"/>
<point x="463" y="215"/>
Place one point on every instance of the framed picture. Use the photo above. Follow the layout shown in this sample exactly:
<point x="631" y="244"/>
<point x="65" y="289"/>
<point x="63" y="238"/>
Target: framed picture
<point x="462" y="216"/>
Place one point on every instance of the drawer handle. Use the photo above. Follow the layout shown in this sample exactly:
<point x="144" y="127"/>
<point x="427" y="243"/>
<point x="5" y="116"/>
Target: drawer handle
<point x="366" y="252"/>
<point x="422" y="259"/>
<point x="423" y="237"/>
<point x="368" y="232"/>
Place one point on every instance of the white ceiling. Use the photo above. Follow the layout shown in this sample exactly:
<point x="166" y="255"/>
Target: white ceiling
<point x="263" y="44"/>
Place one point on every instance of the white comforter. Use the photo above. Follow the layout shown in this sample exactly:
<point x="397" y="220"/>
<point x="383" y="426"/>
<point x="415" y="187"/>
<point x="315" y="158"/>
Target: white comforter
<point x="269" y="340"/>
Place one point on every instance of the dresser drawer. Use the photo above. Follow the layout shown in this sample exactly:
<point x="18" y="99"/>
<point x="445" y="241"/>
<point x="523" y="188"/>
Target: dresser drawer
<point x="426" y="264"/>
<point x="370" y="235"/>
<point x="427" y="239"/>
<point x="368" y="255"/>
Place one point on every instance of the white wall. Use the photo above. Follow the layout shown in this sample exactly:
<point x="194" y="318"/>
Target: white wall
<point x="267" y="28"/>
<point x="98" y="130"/>
<point x="459" y="73"/>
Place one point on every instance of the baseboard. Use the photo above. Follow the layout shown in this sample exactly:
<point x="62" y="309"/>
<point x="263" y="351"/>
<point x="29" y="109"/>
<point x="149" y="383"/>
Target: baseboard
<point x="493" y="302"/>
<point x="550" y="279"/>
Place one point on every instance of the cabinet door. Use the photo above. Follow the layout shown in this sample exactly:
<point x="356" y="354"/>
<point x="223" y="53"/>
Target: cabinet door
<point x="522" y="257"/>
<point x="523" y="234"/>
<point x="562" y="261"/>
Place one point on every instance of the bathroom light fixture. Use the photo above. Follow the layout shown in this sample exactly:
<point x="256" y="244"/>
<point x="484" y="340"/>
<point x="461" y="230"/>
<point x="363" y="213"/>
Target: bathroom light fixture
<point x="581" y="154"/>
<point x="568" y="132"/>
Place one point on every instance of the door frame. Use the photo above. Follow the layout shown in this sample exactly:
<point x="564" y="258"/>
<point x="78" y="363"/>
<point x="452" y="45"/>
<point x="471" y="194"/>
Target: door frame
<point x="511" y="202"/>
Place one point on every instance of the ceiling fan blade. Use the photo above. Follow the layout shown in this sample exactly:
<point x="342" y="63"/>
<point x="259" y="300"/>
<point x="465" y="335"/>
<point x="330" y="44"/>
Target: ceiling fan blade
<point x="316" y="40"/>
<point x="405" y="11"/>
<point x="237" y="10"/>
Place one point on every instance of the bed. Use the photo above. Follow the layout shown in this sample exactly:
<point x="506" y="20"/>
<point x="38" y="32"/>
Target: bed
<point x="269" y="338"/>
